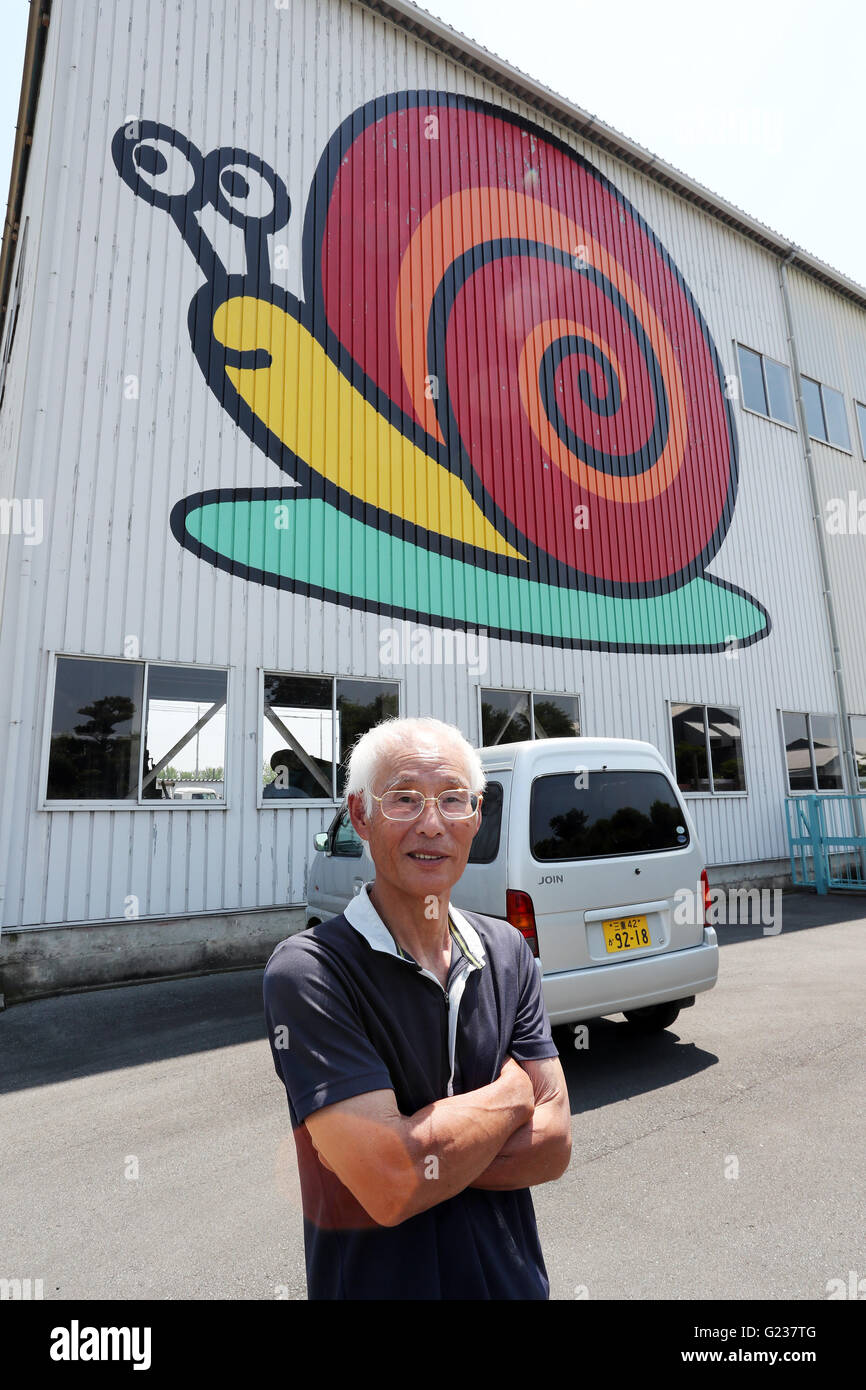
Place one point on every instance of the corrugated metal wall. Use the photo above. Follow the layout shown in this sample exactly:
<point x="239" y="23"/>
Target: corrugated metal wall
<point x="115" y="282"/>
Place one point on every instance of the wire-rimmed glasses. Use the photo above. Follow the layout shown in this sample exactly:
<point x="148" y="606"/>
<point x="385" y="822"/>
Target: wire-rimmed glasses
<point x="457" y="803"/>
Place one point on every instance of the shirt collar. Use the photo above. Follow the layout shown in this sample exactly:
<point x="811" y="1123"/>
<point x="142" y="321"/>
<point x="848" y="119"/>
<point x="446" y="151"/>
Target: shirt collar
<point x="362" y="915"/>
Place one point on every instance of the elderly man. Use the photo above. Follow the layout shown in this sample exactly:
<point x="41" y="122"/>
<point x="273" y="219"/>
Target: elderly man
<point x="425" y="1091"/>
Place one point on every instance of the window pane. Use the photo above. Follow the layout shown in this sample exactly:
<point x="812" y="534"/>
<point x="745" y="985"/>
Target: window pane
<point x="812" y="402"/>
<point x="861" y="421"/>
<point x="185" y="733"/>
<point x="753" y="381"/>
<point x="298" y="738"/>
<point x="828" y="766"/>
<point x="797" y="753"/>
<point x="95" y="730"/>
<point x="556" y="716"/>
<point x="726" y="749"/>
<point x="779" y="391"/>
<point x="616" y="813"/>
<point x="690" y="748"/>
<point x="485" y="845"/>
<point x="858" y="735"/>
<point x="360" y="706"/>
<point x="504" y="716"/>
<point x="837" y="419"/>
<point x="347" y="842"/>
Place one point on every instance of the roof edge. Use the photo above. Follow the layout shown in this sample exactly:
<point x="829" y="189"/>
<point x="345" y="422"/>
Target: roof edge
<point x="474" y="56"/>
<point x="31" y="81"/>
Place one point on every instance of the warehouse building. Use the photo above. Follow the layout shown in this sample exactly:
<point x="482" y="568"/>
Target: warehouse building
<point x="346" y="371"/>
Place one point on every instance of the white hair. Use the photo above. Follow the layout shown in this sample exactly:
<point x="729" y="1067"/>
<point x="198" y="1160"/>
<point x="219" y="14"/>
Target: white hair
<point x="377" y="745"/>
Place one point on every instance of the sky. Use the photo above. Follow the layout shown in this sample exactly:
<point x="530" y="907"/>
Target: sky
<point x="762" y="101"/>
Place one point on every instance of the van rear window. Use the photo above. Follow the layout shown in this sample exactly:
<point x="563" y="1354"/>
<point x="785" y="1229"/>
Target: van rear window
<point x="615" y="813"/>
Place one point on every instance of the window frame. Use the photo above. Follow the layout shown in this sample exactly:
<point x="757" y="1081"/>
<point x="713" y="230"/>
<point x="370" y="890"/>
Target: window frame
<point x="786" y="424"/>
<point x="814" y="790"/>
<point x="861" y="781"/>
<point x="310" y="803"/>
<point x="522" y="690"/>
<point x="140" y="803"/>
<point x="712" y="794"/>
<point x="804" y="376"/>
<point x="861" y="425"/>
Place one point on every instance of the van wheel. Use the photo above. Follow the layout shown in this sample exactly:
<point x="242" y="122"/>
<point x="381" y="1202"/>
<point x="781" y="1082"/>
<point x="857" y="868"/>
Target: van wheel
<point x="655" y="1018"/>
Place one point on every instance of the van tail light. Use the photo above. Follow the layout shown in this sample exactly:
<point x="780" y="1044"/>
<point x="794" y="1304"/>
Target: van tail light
<point x="705" y="884"/>
<point x="521" y="914"/>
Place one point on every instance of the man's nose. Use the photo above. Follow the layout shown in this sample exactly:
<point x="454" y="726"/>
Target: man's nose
<point x="430" y="818"/>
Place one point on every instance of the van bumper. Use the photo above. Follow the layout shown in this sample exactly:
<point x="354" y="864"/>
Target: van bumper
<point x="599" y="990"/>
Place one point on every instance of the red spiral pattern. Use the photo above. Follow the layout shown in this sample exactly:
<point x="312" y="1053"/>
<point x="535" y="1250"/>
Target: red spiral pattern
<point x="574" y="371"/>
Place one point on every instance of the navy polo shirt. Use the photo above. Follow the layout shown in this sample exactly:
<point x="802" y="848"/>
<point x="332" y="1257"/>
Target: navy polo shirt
<point x="348" y="1011"/>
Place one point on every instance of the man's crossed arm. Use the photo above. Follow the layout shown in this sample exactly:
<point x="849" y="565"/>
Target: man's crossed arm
<point x="511" y="1134"/>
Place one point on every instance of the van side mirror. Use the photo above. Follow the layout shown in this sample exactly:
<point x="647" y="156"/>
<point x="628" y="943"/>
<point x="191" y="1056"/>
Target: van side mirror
<point x="320" y="841"/>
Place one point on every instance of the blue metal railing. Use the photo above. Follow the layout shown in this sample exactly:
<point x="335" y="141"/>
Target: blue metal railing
<point x="827" y="840"/>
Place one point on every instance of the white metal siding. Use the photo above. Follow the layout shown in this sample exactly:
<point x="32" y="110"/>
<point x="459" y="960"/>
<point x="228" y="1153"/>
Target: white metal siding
<point x="115" y="282"/>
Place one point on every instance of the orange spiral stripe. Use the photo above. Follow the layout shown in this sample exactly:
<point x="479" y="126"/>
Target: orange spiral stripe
<point x="464" y="219"/>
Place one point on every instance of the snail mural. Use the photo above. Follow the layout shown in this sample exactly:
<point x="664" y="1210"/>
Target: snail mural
<point x="498" y="401"/>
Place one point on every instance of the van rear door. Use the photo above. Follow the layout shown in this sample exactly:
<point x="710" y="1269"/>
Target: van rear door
<point x="609" y="850"/>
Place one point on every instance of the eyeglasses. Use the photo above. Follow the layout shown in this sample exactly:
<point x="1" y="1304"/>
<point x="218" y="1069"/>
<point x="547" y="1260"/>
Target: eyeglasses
<point x="455" y="804"/>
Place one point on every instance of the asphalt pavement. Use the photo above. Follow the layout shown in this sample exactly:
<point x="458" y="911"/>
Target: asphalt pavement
<point x="146" y="1148"/>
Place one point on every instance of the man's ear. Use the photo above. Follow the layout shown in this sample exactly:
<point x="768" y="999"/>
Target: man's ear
<point x="357" y="815"/>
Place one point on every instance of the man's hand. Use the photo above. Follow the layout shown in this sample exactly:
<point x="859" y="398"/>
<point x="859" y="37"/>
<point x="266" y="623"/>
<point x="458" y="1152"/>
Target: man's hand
<point x="540" y="1150"/>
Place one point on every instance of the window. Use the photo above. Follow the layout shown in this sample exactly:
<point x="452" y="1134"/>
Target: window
<point x="512" y="716"/>
<point x="708" y="748"/>
<point x="102" y="749"/>
<point x="347" y="842"/>
<point x="12" y="313"/>
<point x="485" y="844"/>
<point x="309" y="726"/>
<point x="861" y="421"/>
<point x="858" y="738"/>
<point x="811" y="752"/>
<point x="826" y="417"/>
<point x="766" y="386"/>
<point x="615" y="813"/>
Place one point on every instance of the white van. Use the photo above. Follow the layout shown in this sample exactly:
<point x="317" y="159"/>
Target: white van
<point x="583" y="846"/>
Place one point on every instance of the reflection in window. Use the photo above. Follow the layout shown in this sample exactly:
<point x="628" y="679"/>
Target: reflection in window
<point x="555" y="716"/>
<point x="505" y="716"/>
<point x="690" y="748"/>
<point x="825" y="752"/>
<point x="95" y="730"/>
<point x="186" y="733"/>
<point x="310" y="725"/>
<point x="360" y="706"/>
<point x="513" y="716"/>
<point x="97" y="743"/>
<point x="615" y="813"/>
<point x="811" y="752"/>
<point x="485" y="845"/>
<point x="858" y="737"/>
<point x="298" y="738"/>
<point x="708" y="748"/>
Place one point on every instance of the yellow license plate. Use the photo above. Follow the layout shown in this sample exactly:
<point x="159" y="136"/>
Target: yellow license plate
<point x="625" y="933"/>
